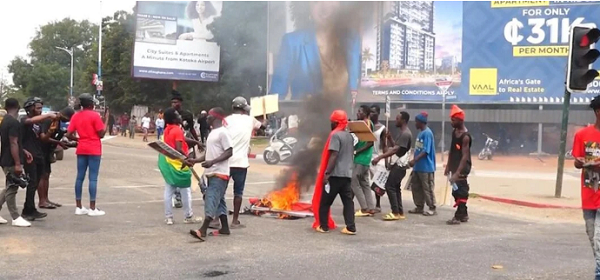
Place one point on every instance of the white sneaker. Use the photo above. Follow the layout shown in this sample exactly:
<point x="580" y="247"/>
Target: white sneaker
<point x="81" y="211"/>
<point x="96" y="212"/>
<point x="3" y="221"/>
<point x="169" y="221"/>
<point x="20" y="222"/>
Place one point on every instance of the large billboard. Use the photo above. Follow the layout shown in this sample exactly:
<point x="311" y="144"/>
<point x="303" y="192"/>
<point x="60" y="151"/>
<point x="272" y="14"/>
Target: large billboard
<point x="516" y="51"/>
<point x="173" y="42"/>
<point x="415" y="51"/>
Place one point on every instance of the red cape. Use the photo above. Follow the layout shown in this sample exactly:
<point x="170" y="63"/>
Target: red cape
<point x="316" y="201"/>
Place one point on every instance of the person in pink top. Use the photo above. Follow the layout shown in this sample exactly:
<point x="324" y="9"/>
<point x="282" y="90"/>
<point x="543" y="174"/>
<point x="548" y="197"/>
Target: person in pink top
<point x="90" y="129"/>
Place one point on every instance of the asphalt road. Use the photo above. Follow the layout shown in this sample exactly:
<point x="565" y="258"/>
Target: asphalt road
<point x="132" y="241"/>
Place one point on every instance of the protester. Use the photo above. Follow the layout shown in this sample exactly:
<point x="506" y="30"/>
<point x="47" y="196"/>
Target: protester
<point x="459" y="165"/>
<point x="204" y="127"/>
<point x="175" y="174"/>
<point x="90" y="129"/>
<point x="586" y="151"/>
<point x="12" y="158"/>
<point x="145" y="127"/>
<point x="124" y="124"/>
<point x="160" y="125"/>
<point x="111" y="124"/>
<point x="363" y="152"/>
<point x="422" y="181"/>
<point x="240" y="126"/>
<point x="216" y="164"/>
<point x="132" y="127"/>
<point x="187" y="123"/>
<point x="32" y="143"/>
<point x="337" y="164"/>
<point x="400" y="154"/>
<point x="52" y="133"/>
<point x="379" y="147"/>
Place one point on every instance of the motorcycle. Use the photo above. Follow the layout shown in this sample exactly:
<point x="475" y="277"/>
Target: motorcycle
<point x="280" y="149"/>
<point x="488" y="150"/>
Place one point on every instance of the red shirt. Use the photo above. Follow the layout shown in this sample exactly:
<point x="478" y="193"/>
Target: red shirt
<point x="587" y="145"/>
<point x="173" y="134"/>
<point x="87" y="123"/>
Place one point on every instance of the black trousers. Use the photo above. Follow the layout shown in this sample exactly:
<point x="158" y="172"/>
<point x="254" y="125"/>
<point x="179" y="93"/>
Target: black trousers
<point x="392" y="187"/>
<point x="34" y="170"/>
<point x="461" y="194"/>
<point x="341" y="186"/>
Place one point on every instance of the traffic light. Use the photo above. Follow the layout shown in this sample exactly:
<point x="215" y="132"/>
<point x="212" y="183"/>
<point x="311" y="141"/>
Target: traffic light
<point x="581" y="57"/>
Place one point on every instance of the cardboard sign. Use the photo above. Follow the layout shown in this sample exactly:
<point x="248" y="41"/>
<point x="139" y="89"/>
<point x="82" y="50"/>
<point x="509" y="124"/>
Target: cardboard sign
<point x="380" y="177"/>
<point x="362" y="131"/>
<point x="263" y="105"/>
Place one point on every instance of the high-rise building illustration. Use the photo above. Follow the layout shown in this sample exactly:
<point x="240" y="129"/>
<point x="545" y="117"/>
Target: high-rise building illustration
<point x="405" y="37"/>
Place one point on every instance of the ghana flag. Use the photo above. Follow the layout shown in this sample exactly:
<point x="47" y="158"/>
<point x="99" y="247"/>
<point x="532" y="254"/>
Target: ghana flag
<point x="169" y="164"/>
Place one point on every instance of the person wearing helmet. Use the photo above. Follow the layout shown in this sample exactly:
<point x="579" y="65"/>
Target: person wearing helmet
<point x="53" y="131"/>
<point x="31" y="130"/>
<point x="89" y="127"/>
<point x="240" y="126"/>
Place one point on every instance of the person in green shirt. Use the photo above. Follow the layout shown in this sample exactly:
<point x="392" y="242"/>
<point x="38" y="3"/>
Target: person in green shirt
<point x="360" y="175"/>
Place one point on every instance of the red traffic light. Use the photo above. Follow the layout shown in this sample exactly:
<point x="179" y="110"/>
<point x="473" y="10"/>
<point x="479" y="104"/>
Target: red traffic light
<point x="590" y="38"/>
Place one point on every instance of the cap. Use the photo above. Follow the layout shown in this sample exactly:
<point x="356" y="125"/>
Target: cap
<point x="240" y="103"/>
<point x="86" y="96"/>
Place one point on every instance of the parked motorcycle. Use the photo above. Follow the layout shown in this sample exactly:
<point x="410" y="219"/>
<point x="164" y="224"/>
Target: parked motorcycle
<point x="280" y="149"/>
<point x="488" y="150"/>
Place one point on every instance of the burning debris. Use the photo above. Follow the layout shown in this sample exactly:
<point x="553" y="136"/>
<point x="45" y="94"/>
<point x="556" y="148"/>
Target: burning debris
<point x="284" y="202"/>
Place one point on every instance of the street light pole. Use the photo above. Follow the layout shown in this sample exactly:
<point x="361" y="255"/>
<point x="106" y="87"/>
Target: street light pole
<point x="70" y="52"/>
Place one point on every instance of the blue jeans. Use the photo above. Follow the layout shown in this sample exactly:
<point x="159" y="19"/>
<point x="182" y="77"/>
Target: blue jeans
<point x="159" y="132"/>
<point x="214" y="202"/>
<point x="592" y="227"/>
<point x="85" y="162"/>
<point x="239" y="180"/>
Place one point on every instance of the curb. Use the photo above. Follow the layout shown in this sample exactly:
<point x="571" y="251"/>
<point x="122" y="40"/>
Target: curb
<point x="524" y="203"/>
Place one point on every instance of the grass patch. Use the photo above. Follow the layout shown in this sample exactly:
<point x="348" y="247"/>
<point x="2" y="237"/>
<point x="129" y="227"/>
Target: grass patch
<point x="259" y="141"/>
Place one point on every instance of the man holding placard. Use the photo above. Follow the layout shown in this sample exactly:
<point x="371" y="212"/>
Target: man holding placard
<point x="400" y="154"/>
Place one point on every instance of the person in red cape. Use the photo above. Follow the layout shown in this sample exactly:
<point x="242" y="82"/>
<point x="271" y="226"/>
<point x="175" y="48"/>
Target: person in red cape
<point x="335" y="173"/>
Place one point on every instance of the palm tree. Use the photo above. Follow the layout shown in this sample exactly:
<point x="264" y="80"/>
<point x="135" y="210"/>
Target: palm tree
<point x="366" y="57"/>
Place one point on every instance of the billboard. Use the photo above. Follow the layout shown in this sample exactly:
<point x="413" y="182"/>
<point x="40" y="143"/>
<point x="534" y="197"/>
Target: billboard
<point x="416" y="51"/>
<point x="172" y="40"/>
<point x="516" y="51"/>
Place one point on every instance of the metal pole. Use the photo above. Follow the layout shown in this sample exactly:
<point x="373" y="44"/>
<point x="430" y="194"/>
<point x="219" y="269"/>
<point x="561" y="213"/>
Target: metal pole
<point x="443" y="123"/>
<point x="71" y="89"/>
<point x="563" y="144"/>
<point x="268" y="53"/>
<point x="540" y="135"/>
<point x="100" y="48"/>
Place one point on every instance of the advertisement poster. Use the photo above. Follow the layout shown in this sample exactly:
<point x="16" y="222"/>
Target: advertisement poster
<point x="411" y="48"/>
<point x="516" y="51"/>
<point x="173" y="42"/>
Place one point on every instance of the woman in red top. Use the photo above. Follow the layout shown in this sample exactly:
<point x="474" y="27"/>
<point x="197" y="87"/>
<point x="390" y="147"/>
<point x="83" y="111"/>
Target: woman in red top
<point x="90" y="129"/>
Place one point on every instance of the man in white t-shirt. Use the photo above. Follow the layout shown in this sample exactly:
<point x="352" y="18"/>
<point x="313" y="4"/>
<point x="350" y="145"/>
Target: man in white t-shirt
<point x="216" y="163"/>
<point x="240" y="126"/>
<point x="146" y="126"/>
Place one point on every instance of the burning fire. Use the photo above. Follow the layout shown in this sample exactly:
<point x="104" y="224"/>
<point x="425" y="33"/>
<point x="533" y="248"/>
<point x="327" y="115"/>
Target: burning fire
<point x="284" y="198"/>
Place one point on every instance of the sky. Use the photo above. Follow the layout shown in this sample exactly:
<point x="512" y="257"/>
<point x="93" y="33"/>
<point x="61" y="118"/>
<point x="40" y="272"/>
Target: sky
<point x="20" y="19"/>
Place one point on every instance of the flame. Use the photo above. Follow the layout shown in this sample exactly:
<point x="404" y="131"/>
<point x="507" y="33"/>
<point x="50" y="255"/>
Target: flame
<point x="284" y="198"/>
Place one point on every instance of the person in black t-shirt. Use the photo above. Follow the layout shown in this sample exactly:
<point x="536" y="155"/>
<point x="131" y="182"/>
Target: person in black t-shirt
<point x="459" y="165"/>
<point x="12" y="158"/>
<point x="52" y="132"/>
<point x="31" y="129"/>
<point x="187" y="123"/>
<point x="204" y="127"/>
